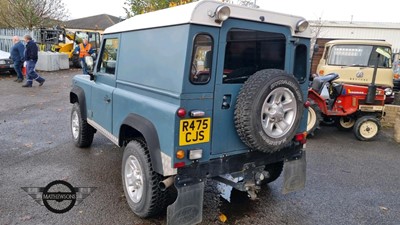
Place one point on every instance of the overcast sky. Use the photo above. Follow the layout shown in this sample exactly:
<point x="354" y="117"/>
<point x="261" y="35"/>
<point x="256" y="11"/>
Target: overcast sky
<point x="343" y="10"/>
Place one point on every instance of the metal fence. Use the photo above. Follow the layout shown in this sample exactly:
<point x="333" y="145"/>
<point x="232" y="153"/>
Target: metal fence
<point x="7" y="34"/>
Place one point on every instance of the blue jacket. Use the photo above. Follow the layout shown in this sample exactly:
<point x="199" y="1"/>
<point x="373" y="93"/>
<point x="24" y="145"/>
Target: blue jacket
<point x="31" y="51"/>
<point x="17" y="52"/>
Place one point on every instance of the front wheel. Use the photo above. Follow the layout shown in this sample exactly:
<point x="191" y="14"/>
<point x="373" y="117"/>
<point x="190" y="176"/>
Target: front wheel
<point x="140" y="182"/>
<point x="366" y="128"/>
<point x="82" y="132"/>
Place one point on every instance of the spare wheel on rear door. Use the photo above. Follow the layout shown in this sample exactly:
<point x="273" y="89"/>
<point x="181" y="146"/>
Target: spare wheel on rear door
<point x="268" y="110"/>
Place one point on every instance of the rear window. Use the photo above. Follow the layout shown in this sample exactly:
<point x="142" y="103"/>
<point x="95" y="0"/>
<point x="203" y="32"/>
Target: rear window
<point x="200" y="72"/>
<point x="248" y="51"/>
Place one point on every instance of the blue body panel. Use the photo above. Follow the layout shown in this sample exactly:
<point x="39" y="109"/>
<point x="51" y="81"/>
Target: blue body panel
<point x="152" y="80"/>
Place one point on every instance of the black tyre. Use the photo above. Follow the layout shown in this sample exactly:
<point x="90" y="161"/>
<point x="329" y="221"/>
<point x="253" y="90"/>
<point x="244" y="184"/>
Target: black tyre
<point x="314" y="118"/>
<point x="140" y="182"/>
<point x="366" y="128"/>
<point x="345" y="123"/>
<point x="82" y="132"/>
<point x="268" y="110"/>
<point x="274" y="171"/>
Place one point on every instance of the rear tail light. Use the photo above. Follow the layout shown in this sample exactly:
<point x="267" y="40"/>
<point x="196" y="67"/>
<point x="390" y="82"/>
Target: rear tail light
<point x="179" y="165"/>
<point x="181" y="113"/>
<point x="307" y="104"/>
<point x="302" y="138"/>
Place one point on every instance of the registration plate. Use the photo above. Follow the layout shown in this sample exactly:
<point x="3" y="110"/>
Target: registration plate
<point x="194" y="131"/>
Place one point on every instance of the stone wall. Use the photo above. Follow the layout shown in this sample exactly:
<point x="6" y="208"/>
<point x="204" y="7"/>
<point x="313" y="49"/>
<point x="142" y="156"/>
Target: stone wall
<point x="390" y="114"/>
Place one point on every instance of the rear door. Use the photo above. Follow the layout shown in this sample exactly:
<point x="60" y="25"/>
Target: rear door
<point x="244" y="48"/>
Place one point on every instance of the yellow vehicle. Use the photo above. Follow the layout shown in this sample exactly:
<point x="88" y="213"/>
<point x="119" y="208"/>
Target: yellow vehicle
<point x="354" y="61"/>
<point x="59" y="40"/>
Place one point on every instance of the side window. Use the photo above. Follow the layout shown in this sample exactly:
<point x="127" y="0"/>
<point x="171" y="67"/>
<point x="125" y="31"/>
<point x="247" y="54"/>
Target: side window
<point x="248" y="51"/>
<point x="108" y="57"/>
<point x="300" y="63"/>
<point x="200" y="72"/>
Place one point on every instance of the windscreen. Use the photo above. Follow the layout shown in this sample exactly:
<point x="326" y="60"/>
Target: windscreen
<point x="357" y="55"/>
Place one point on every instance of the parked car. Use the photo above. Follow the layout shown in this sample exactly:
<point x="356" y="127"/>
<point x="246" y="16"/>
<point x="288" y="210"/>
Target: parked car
<point x="197" y="92"/>
<point x="6" y="64"/>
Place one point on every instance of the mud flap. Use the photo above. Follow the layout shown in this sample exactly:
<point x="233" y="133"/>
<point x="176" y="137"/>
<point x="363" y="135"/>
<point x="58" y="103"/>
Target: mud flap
<point x="294" y="174"/>
<point x="188" y="207"/>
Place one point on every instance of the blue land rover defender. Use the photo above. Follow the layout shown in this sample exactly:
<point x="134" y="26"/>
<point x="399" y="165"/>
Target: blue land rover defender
<point x="198" y="92"/>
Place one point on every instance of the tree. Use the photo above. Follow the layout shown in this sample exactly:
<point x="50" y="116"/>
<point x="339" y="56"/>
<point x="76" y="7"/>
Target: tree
<point x="136" y="7"/>
<point x="31" y="13"/>
<point x="316" y="32"/>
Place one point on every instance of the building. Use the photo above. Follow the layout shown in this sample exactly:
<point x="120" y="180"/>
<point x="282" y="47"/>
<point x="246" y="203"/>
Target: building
<point x="389" y="32"/>
<point x="97" y="23"/>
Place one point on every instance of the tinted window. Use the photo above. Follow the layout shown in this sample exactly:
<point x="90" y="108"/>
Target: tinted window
<point x="248" y="51"/>
<point x="108" y="57"/>
<point x="300" y="63"/>
<point x="200" y="72"/>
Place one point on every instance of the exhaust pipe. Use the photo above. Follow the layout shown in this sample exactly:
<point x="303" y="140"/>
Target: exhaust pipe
<point x="163" y="185"/>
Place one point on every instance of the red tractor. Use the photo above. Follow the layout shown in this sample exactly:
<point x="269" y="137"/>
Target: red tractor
<point x="348" y="105"/>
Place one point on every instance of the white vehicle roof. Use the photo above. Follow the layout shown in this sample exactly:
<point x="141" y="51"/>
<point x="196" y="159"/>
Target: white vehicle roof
<point x="198" y="13"/>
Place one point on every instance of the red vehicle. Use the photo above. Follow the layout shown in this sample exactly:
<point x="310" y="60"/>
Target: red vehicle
<point x="345" y="104"/>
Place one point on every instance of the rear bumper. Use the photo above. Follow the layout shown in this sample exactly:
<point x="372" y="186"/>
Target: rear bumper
<point x="197" y="172"/>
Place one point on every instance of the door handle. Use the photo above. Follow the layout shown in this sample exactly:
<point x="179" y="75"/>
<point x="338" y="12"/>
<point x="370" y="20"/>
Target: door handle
<point x="107" y="99"/>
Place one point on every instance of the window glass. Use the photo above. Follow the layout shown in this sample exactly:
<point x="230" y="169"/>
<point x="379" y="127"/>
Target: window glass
<point x="358" y="55"/>
<point x="350" y="55"/>
<point x="300" y="63"/>
<point x="108" y="57"/>
<point x="248" y="51"/>
<point x="200" y="72"/>
<point x="383" y="61"/>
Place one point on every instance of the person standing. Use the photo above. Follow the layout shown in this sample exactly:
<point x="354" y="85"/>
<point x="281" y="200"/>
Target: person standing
<point x="31" y="57"/>
<point x="84" y="49"/>
<point x="17" y="55"/>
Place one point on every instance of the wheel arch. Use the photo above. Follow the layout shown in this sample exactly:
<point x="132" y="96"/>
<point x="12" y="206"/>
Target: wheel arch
<point x="136" y="126"/>
<point x="77" y="94"/>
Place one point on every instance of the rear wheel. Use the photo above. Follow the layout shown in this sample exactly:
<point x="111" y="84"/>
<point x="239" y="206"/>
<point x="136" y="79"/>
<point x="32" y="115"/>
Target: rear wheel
<point x="314" y="118"/>
<point x="268" y="110"/>
<point x="345" y="123"/>
<point x="366" y="128"/>
<point x="140" y="182"/>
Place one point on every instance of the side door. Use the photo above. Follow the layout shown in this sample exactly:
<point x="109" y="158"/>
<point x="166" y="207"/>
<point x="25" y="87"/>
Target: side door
<point x="105" y="82"/>
<point x="244" y="48"/>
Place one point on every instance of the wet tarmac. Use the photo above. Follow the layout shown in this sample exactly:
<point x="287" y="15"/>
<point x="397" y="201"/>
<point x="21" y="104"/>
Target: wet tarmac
<point x="348" y="181"/>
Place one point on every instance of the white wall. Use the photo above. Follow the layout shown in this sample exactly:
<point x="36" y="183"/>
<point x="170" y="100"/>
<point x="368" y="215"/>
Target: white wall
<point x="391" y="35"/>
